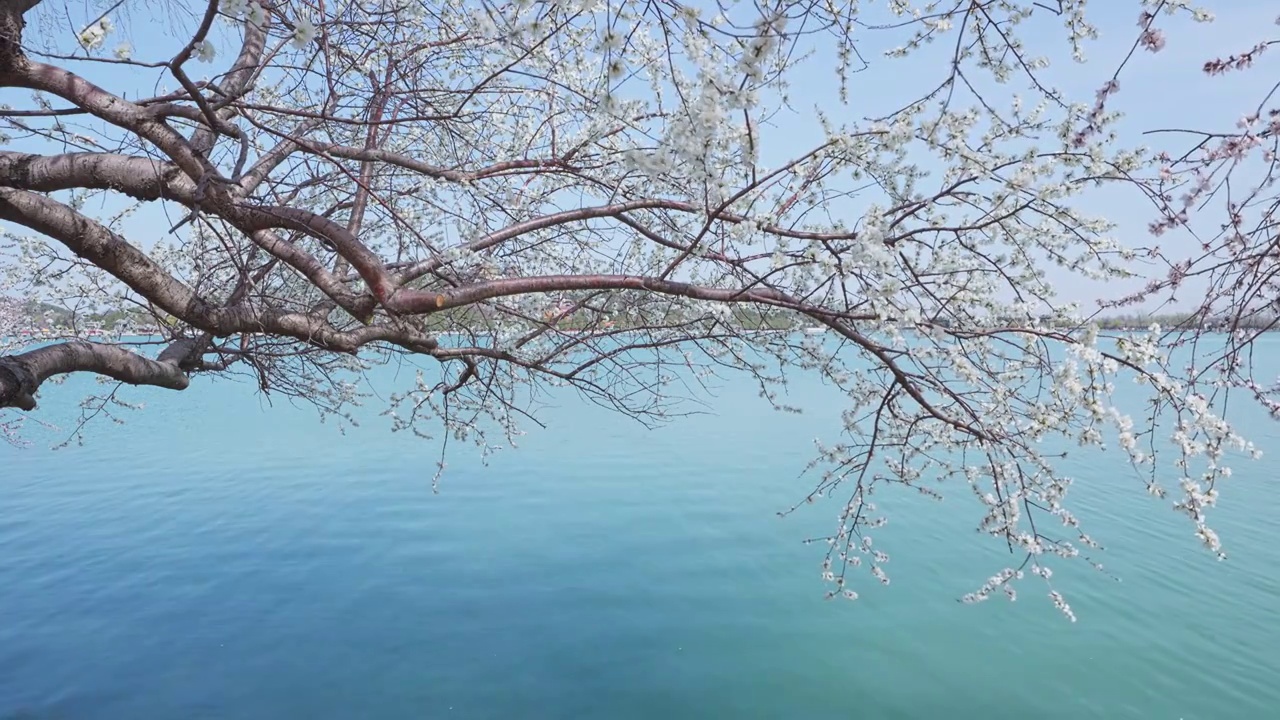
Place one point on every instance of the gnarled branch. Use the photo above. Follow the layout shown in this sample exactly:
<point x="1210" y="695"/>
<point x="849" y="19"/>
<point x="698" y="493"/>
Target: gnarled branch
<point x="21" y="375"/>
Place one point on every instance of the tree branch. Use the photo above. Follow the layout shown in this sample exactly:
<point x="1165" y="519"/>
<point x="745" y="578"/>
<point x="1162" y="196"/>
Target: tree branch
<point x="138" y="177"/>
<point x="113" y="109"/>
<point x="115" y="255"/>
<point x="109" y="251"/>
<point x="418" y="301"/>
<point x="21" y="375"/>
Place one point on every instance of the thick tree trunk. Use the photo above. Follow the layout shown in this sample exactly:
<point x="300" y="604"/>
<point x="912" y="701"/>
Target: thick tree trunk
<point x="11" y="26"/>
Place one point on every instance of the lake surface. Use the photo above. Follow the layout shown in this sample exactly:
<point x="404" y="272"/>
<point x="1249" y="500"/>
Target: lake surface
<point x="218" y="558"/>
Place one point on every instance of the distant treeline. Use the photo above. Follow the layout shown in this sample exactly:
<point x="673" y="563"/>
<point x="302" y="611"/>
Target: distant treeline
<point x="1189" y="321"/>
<point x="45" y="315"/>
<point x="565" y="317"/>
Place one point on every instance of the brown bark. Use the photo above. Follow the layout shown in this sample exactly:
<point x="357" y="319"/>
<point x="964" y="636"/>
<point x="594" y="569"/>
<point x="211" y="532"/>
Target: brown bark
<point x="21" y="375"/>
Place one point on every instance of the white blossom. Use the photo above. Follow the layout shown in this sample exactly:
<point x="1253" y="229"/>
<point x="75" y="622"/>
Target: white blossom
<point x="205" y="51"/>
<point x="256" y="14"/>
<point x="304" y="33"/>
<point x="93" y="36"/>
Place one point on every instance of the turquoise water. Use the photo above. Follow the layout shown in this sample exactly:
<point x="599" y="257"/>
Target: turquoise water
<point x="215" y="557"/>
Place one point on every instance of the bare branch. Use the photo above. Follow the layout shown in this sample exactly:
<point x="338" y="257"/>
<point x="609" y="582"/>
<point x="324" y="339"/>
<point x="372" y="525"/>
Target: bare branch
<point x="21" y="375"/>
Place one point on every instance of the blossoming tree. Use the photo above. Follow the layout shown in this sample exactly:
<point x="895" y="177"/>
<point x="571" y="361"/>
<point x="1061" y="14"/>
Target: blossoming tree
<point x="580" y="193"/>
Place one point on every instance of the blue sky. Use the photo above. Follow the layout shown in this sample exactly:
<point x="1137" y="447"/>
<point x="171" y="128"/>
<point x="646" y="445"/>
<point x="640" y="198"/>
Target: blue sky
<point x="1161" y="90"/>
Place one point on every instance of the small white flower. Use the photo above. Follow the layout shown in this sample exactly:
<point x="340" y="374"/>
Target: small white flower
<point x="92" y="37"/>
<point x="611" y="41"/>
<point x="257" y="15"/>
<point x="205" y="51"/>
<point x="124" y="51"/>
<point x="304" y="32"/>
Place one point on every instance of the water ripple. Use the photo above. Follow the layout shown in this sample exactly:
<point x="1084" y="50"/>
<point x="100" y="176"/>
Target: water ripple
<point x="620" y="574"/>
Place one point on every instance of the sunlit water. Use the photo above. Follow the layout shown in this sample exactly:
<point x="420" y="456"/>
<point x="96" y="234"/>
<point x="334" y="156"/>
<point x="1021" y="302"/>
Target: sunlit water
<point x="218" y="558"/>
